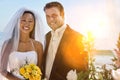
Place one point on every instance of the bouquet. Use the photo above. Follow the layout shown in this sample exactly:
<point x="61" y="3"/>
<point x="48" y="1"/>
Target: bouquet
<point x="30" y="72"/>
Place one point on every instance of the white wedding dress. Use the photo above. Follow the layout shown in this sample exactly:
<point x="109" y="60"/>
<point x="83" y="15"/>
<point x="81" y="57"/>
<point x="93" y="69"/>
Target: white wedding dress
<point x="18" y="59"/>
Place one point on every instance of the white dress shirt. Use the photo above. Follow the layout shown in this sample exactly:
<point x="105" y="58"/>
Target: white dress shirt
<point x="53" y="46"/>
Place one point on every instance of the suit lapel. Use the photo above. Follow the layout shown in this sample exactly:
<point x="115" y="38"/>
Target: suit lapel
<point x="48" y="37"/>
<point x="63" y="40"/>
<point x="58" y="57"/>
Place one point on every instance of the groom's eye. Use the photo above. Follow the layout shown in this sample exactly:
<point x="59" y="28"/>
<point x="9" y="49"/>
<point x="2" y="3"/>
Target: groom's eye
<point x="54" y="15"/>
<point x="47" y="16"/>
<point x="23" y="20"/>
<point x="30" y="21"/>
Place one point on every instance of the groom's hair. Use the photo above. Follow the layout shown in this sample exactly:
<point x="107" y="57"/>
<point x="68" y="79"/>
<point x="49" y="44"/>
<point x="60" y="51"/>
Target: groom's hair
<point x="57" y="5"/>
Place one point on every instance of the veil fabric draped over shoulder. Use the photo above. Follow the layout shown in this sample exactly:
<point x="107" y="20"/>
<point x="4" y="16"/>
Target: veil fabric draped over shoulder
<point x="11" y="35"/>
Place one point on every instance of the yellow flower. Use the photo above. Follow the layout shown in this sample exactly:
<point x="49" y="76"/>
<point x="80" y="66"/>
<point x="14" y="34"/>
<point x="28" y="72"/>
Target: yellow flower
<point x="31" y="72"/>
<point x="22" y="70"/>
<point x="26" y="75"/>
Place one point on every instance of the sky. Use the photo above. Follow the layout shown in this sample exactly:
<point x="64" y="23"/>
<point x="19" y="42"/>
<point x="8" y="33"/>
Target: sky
<point x="101" y="17"/>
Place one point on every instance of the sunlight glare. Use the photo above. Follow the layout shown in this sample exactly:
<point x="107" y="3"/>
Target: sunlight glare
<point x="97" y="24"/>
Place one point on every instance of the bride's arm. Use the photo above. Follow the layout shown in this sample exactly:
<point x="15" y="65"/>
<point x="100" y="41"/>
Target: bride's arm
<point x="9" y="76"/>
<point x="39" y="49"/>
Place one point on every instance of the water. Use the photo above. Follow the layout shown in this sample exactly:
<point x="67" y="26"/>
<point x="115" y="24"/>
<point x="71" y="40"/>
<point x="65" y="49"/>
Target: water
<point x="101" y="60"/>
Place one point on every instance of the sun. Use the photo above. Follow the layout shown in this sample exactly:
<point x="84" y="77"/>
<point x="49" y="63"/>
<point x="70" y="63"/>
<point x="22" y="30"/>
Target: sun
<point x="98" y="25"/>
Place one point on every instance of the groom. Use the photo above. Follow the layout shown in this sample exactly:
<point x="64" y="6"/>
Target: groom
<point x="64" y="49"/>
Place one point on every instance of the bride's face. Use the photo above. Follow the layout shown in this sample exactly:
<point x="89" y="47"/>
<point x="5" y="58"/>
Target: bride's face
<point x="27" y="23"/>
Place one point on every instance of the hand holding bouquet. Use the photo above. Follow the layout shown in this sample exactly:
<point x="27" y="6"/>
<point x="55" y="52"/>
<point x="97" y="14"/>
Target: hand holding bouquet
<point x="31" y="72"/>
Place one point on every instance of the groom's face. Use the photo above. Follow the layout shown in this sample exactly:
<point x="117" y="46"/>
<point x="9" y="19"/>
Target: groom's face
<point x="54" y="18"/>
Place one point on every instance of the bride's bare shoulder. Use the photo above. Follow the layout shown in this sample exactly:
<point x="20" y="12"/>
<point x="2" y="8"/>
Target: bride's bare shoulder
<point x="37" y="44"/>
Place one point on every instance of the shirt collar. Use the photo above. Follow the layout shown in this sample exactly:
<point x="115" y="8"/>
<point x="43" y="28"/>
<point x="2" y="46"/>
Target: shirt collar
<point x="59" y="30"/>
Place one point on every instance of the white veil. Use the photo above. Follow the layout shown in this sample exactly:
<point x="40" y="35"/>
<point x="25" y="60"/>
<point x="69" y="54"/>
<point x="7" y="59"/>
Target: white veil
<point x="11" y="35"/>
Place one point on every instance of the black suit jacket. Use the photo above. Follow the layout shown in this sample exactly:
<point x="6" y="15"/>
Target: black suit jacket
<point x="70" y="55"/>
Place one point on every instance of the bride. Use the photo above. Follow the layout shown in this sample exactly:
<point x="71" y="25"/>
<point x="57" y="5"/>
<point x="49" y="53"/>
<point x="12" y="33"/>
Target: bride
<point x="22" y="43"/>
